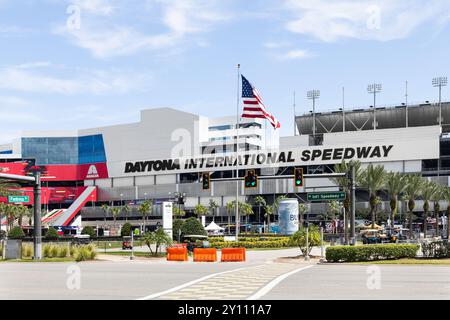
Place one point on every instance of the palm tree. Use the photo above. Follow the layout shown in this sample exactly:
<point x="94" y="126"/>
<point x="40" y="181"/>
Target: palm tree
<point x="437" y="196"/>
<point x="344" y="183"/>
<point x="247" y="210"/>
<point x="302" y="209"/>
<point x="213" y="205"/>
<point x="200" y="210"/>
<point x="230" y="209"/>
<point x="395" y="184"/>
<point x="446" y="197"/>
<point x="115" y="213"/>
<point x="144" y="209"/>
<point x="373" y="179"/>
<point x="178" y="212"/>
<point x="127" y="209"/>
<point x="106" y="209"/>
<point x="413" y="190"/>
<point x="260" y="202"/>
<point x="268" y="212"/>
<point x="429" y="188"/>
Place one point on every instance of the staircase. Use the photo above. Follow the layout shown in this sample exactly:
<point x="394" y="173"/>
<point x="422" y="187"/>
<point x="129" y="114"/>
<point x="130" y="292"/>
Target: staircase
<point x="66" y="217"/>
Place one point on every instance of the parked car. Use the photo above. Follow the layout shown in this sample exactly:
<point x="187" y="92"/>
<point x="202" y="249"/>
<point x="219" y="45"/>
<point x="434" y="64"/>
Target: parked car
<point x="81" y="239"/>
<point x="371" y="236"/>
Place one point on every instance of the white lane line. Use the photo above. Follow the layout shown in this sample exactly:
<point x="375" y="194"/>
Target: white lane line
<point x="268" y="287"/>
<point x="156" y="295"/>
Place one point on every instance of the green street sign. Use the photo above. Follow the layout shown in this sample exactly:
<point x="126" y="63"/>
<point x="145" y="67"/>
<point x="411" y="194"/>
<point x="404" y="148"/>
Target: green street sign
<point x="18" y="199"/>
<point x="326" y="196"/>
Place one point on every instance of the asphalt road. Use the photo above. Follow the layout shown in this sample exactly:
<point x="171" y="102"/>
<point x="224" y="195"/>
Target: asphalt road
<point x="123" y="279"/>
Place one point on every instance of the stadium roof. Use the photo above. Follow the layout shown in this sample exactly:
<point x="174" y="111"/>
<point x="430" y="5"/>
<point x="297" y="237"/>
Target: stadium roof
<point x="419" y="115"/>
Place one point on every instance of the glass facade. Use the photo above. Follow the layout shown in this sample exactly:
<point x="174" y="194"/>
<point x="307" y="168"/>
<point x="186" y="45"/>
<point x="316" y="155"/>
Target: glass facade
<point x="6" y="152"/>
<point x="64" y="150"/>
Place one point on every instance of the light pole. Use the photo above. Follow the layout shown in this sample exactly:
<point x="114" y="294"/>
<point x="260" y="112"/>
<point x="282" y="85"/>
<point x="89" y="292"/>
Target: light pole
<point x="313" y="95"/>
<point x="440" y="82"/>
<point x="374" y="89"/>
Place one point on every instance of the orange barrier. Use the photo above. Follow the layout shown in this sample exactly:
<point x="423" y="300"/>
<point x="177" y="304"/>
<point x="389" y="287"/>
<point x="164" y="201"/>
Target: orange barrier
<point x="177" y="254"/>
<point x="233" y="254"/>
<point x="205" y="255"/>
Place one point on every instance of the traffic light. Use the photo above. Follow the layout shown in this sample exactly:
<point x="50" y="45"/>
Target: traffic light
<point x="251" y="179"/>
<point x="298" y="178"/>
<point x="206" y="183"/>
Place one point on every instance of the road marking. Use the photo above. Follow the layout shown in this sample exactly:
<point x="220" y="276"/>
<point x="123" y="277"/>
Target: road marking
<point x="156" y="295"/>
<point x="267" y="288"/>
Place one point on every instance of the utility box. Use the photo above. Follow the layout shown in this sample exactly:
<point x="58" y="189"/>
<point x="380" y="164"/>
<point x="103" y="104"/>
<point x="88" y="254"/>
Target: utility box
<point x="13" y="249"/>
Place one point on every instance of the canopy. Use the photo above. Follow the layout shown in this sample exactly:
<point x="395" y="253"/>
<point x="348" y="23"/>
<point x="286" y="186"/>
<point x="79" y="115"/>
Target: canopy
<point x="213" y="227"/>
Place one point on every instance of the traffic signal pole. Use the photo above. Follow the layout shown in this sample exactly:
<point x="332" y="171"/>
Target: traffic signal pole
<point x="36" y="180"/>
<point x="352" y="205"/>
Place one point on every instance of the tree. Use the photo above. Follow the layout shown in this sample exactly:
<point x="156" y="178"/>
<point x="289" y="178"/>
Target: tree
<point x="259" y="202"/>
<point x="299" y="238"/>
<point x="213" y="205"/>
<point x="413" y="190"/>
<point x="51" y="234"/>
<point x="230" y="209"/>
<point x="126" y="230"/>
<point x="302" y="209"/>
<point x="395" y="184"/>
<point x="429" y="188"/>
<point x="178" y="212"/>
<point x="176" y="228"/>
<point x="247" y="210"/>
<point x="145" y="209"/>
<point x="373" y="179"/>
<point x="193" y="227"/>
<point x="157" y="238"/>
<point x="268" y="212"/>
<point x="89" y="231"/>
<point x="106" y="209"/>
<point x="115" y="213"/>
<point x="7" y="188"/>
<point x="16" y="233"/>
<point x="344" y="183"/>
<point x="200" y="210"/>
<point x="127" y="209"/>
<point x="437" y="196"/>
<point x="446" y="197"/>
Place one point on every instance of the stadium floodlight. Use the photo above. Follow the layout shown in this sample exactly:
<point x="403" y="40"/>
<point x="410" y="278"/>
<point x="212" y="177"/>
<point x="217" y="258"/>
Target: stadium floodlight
<point x="440" y="82"/>
<point x="374" y="89"/>
<point x="313" y="95"/>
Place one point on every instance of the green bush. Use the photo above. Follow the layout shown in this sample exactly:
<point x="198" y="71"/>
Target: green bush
<point x="51" y="234"/>
<point x="63" y="250"/>
<point x="16" y="233"/>
<point x="299" y="238"/>
<point x="84" y="253"/>
<point x="371" y="252"/>
<point x="126" y="230"/>
<point x="27" y="250"/>
<point x="248" y="243"/>
<point x="46" y="250"/>
<point x="193" y="227"/>
<point x="89" y="231"/>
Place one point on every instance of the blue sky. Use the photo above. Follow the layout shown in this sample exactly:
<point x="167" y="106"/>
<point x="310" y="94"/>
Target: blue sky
<point x="87" y="63"/>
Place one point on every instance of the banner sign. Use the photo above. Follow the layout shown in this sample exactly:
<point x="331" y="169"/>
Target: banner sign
<point x="367" y="153"/>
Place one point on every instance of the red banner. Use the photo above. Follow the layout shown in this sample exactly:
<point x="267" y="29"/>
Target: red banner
<point x="59" y="172"/>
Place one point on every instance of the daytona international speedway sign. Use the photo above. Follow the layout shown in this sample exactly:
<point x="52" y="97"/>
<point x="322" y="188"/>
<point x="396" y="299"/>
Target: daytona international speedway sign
<point x="278" y="158"/>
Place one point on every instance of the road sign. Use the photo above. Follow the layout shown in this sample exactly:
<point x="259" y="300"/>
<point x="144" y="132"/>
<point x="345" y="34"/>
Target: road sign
<point x="326" y="196"/>
<point x="18" y="199"/>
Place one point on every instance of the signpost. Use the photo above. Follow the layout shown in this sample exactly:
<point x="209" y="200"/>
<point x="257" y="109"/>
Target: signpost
<point x="18" y="199"/>
<point x="326" y="196"/>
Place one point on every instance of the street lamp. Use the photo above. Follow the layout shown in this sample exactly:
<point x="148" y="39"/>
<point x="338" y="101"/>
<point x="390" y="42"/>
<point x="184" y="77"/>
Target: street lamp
<point x="374" y="89"/>
<point x="313" y="95"/>
<point x="440" y="82"/>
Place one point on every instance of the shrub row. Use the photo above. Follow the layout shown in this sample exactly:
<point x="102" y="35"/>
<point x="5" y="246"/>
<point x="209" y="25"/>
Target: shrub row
<point x="79" y="253"/>
<point x="249" y="244"/>
<point x="371" y="252"/>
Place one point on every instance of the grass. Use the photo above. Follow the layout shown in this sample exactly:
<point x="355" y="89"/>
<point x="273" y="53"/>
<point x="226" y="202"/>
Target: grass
<point x="442" y="262"/>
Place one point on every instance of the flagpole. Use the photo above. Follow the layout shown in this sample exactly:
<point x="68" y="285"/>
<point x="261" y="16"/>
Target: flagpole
<point x="237" y="153"/>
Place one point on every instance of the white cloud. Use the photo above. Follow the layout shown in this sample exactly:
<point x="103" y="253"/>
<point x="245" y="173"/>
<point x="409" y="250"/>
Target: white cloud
<point x="95" y="7"/>
<point x="295" y="54"/>
<point x="74" y="81"/>
<point x="381" y="20"/>
<point x="181" y="18"/>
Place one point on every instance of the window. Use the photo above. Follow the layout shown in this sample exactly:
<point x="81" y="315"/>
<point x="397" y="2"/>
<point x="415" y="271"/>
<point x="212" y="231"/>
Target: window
<point x="221" y="128"/>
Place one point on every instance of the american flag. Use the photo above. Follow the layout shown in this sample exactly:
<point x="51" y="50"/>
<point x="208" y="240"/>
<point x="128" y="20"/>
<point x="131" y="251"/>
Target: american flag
<point x="253" y="105"/>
